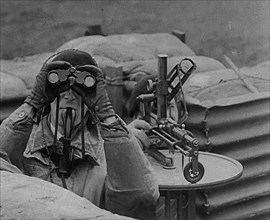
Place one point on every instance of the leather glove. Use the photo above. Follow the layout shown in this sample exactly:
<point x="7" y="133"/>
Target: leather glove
<point x="96" y="98"/>
<point x="138" y="128"/>
<point x="43" y="93"/>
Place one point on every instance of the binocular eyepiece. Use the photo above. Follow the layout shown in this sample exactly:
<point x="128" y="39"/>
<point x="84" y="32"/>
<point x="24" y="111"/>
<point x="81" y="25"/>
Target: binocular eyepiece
<point x="71" y="75"/>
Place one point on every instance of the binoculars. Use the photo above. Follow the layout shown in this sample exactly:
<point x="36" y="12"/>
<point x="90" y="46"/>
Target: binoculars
<point x="86" y="79"/>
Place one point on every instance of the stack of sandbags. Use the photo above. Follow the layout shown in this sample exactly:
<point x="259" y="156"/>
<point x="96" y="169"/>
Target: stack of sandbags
<point x="225" y="83"/>
<point x="25" y="68"/>
<point x="12" y="87"/>
<point x="128" y="47"/>
<point x="24" y="197"/>
<point x="17" y="78"/>
<point x="134" y="70"/>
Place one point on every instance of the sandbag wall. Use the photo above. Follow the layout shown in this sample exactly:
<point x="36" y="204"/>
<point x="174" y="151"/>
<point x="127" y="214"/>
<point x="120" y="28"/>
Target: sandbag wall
<point x="18" y="75"/>
<point x="24" y="197"/>
<point x="238" y="128"/>
<point x="124" y="59"/>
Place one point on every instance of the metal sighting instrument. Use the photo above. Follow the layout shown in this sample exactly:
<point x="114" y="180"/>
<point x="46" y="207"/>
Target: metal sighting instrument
<point x="167" y="132"/>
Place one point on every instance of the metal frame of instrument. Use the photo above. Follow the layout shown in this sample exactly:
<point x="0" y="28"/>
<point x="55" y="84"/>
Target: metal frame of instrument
<point x="166" y="130"/>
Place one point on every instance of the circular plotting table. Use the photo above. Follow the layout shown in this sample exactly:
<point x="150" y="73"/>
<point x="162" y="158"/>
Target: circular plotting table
<point x="218" y="170"/>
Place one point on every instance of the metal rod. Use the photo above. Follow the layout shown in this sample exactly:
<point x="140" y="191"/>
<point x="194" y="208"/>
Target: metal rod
<point x="240" y="76"/>
<point x="161" y="88"/>
<point x="173" y="140"/>
<point x="82" y="129"/>
<point x="172" y="144"/>
<point x="56" y="120"/>
<point x="182" y="151"/>
<point x="163" y="138"/>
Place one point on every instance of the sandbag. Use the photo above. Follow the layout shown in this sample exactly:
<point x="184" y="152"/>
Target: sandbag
<point x="159" y="43"/>
<point x="89" y="40"/>
<point x="24" y="197"/>
<point x="25" y="68"/>
<point x="12" y="87"/>
<point x="128" y="47"/>
<point x="219" y="84"/>
<point x="260" y="70"/>
<point x="134" y="69"/>
<point x="103" y="62"/>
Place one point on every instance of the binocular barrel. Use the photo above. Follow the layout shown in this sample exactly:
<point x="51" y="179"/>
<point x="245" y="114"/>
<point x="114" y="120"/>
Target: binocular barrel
<point x="71" y="76"/>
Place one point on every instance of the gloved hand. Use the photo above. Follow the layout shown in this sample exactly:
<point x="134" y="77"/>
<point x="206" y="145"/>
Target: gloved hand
<point x="95" y="98"/>
<point x="43" y="93"/>
<point x="138" y="128"/>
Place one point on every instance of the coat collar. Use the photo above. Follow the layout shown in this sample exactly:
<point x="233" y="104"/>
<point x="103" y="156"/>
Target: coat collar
<point x="42" y="137"/>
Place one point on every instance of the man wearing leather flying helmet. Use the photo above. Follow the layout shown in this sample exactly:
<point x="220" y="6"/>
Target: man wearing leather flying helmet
<point x="67" y="132"/>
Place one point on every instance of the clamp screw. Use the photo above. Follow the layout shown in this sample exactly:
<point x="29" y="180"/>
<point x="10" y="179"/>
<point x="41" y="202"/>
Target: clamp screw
<point x="195" y="143"/>
<point x="72" y="70"/>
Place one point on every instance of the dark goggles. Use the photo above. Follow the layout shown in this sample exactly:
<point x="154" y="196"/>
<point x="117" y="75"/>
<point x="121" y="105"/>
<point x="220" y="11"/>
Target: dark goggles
<point x="72" y="75"/>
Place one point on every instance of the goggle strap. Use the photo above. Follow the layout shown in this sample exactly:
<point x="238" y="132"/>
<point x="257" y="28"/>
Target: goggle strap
<point x="82" y="128"/>
<point x="56" y="119"/>
<point x="63" y="180"/>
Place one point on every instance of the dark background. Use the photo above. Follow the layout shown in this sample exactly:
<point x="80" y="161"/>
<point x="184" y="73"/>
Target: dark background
<point x="237" y="28"/>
